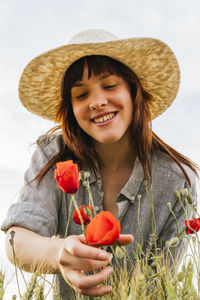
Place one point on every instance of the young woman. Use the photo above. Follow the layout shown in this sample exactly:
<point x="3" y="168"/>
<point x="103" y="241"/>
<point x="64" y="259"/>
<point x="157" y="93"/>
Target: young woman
<point x="103" y="92"/>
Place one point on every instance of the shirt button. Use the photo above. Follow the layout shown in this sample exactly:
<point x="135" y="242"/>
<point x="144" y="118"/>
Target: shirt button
<point x="132" y="198"/>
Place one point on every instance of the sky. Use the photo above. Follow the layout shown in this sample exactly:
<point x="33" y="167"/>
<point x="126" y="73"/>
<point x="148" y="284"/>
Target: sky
<point x="29" y="28"/>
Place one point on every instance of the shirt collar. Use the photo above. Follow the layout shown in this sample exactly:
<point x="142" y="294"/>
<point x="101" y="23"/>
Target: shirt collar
<point x="132" y="187"/>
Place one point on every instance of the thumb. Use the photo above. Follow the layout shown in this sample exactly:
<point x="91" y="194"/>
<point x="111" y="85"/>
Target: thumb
<point x="125" y="239"/>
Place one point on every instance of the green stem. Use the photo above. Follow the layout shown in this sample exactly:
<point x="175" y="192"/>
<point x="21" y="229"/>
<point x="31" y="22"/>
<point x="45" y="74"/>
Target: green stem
<point x="138" y="221"/>
<point x="195" y="210"/>
<point x="175" y="220"/>
<point x="91" y="202"/>
<point x="115" y="256"/>
<point x="152" y="210"/>
<point x="151" y="203"/>
<point x="15" y="264"/>
<point x="69" y="217"/>
<point x="79" y="214"/>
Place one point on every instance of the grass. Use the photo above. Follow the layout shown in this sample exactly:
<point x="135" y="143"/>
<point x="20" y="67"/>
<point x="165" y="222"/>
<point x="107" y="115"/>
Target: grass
<point x="159" y="280"/>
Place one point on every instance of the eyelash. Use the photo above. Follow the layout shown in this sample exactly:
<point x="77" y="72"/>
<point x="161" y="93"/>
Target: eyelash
<point x="110" y="86"/>
<point x="81" y="96"/>
<point x="107" y="87"/>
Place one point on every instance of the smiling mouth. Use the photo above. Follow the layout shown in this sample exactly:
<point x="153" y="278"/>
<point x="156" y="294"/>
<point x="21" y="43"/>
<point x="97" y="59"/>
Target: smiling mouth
<point x="104" y="118"/>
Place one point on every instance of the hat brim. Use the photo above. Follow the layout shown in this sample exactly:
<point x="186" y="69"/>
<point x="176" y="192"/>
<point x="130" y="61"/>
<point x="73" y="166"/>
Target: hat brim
<point x="152" y="60"/>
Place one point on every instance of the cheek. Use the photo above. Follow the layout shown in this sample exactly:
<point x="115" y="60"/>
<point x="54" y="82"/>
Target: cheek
<point x="128" y="102"/>
<point x="79" y="112"/>
<point x="131" y="106"/>
<point x="129" y="109"/>
<point x="76" y="109"/>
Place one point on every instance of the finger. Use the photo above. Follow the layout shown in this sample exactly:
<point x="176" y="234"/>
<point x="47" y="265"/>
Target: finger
<point x="84" y="282"/>
<point x="96" y="291"/>
<point x="82" y="264"/>
<point x="125" y="239"/>
<point x="76" y="247"/>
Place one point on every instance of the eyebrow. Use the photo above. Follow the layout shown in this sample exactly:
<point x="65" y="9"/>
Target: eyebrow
<point x="78" y="83"/>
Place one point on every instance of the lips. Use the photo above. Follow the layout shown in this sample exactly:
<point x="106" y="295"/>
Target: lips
<point x="104" y="118"/>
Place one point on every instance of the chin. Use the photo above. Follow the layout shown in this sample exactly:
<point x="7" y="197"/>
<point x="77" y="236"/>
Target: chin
<point x="110" y="140"/>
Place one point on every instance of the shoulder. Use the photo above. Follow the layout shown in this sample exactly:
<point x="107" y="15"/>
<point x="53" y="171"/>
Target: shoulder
<point x="168" y="176"/>
<point x="165" y="164"/>
<point x="51" y="144"/>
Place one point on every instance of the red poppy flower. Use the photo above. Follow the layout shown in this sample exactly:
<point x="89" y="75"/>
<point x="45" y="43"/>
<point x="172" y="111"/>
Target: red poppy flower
<point x="86" y="214"/>
<point x="67" y="176"/>
<point x="104" y="229"/>
<point x="192" y="226"/>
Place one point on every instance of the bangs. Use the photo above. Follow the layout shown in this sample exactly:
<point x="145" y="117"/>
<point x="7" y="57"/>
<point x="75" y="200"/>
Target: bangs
<point x="97" y="65"/>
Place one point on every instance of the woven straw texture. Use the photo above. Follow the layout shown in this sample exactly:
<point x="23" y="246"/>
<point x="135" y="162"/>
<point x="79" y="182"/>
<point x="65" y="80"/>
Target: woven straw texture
<point x="152" y="60"/>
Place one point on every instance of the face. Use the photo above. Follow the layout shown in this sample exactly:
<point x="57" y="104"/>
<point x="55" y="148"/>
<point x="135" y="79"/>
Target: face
<point x="102" y="106"/>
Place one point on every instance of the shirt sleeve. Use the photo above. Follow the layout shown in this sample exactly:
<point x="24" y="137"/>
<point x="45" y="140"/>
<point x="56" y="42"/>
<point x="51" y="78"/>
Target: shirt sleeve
<point x="37" y="206"/>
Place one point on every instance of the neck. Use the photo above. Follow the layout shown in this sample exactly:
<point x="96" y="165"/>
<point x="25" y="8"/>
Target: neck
<point x="116" y="155"/>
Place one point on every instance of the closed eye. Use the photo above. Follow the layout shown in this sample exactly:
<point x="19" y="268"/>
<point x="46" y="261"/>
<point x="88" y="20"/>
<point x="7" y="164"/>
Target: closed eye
<point x="109" y="87"/>
<point x="81" y="96"/>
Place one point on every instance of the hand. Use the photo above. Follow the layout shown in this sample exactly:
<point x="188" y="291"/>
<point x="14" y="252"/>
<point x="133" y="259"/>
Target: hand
<point x="75" y="257"/>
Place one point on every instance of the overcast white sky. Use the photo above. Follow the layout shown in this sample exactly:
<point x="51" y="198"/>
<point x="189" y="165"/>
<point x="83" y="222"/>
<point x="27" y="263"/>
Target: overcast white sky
<point x="28" y="28"/>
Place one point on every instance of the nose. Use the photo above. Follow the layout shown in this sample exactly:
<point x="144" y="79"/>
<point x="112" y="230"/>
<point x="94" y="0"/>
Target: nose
<point x="98" y="103"/>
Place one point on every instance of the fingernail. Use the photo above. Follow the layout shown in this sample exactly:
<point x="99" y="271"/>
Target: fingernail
<point x="102" y="255"/>
<point x="110" y="256"/>
<point x="109" y="270"/>
<point x="108" y="289"/>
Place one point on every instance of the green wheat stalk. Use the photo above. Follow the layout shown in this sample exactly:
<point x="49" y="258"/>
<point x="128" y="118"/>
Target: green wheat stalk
<point x="28" y="295"/>
<point x="2" y="288"/>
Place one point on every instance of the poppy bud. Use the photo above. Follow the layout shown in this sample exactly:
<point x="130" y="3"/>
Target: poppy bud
<point x="177" y="195"/>
<point x="184" y="192"/>
<point x="189" y="197"/>
<point x="173" y="242"/>
<point x="86" y="214"/>
<point x="67" y="177"/>
<point x="192" y="226"/>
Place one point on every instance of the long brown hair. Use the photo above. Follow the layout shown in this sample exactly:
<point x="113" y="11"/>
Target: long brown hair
<point x="78" y="144"/>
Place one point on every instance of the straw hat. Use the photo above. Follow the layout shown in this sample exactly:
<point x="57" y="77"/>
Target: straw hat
<point x="152" y="60"/>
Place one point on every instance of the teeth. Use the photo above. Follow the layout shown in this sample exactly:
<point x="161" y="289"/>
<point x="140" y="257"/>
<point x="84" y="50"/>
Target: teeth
<point x="104" y="118"/>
